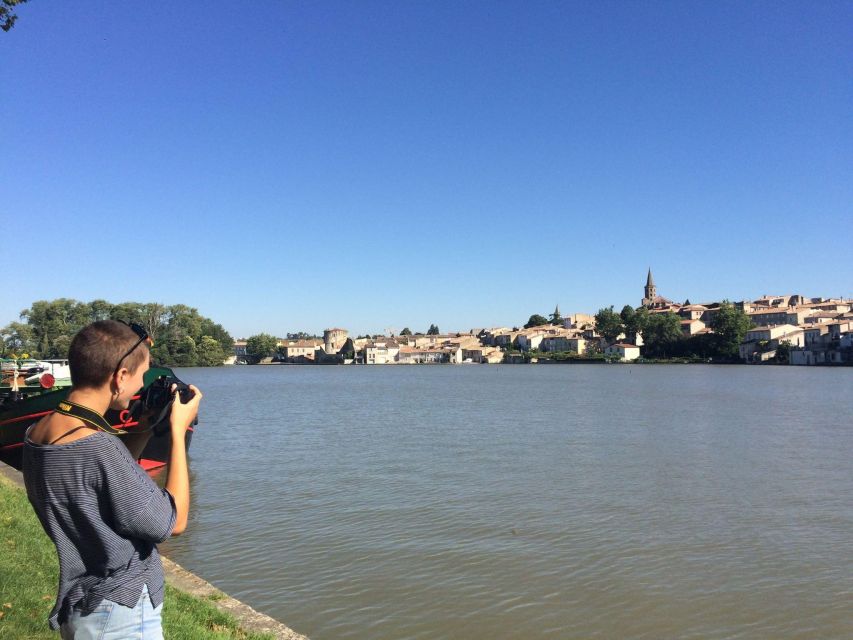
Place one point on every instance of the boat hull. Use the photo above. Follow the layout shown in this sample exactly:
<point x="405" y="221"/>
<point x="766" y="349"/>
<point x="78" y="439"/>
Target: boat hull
<point x="150" y="447"/>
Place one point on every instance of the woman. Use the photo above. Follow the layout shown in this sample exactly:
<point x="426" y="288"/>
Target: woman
<point x="97" y="505"/>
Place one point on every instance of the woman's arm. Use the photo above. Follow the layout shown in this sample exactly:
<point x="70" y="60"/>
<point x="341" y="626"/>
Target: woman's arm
<point x="178" y="478"/>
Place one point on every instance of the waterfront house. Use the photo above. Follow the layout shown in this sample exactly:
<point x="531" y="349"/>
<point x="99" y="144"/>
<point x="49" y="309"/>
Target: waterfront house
<point x="760" y="343"/>
<point x="839" y="327"/>
<point x="487" y="336"/>
<point x="299" y="351"/>
<point x="475" y="354"/>
<point x="569" y="342"/>
<point x="624" y="351"/>
<point x="239" y="352"/>
<point x="381" y="352"/>
<point x="506" y="339"/>
<point x="774" y="316"/>
<point x="693" y="312"/>
<point x="530" y="339"/>
<point x="495" y="356"/>
<point x="814" y="334"/>
<point x="691" y="327"/>
<point x="825" y="343"/>
<point x="430" y="355"/>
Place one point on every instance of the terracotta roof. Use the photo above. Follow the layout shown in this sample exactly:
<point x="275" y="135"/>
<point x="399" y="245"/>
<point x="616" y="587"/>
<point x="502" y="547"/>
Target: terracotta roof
<point x="302" y="344"/>
<point x="382" y="344"/>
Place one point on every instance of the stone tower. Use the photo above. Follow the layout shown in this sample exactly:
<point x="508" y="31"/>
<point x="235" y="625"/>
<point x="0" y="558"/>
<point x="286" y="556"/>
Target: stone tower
<point x="650" y="290"/>
<point x="334" y="339"/>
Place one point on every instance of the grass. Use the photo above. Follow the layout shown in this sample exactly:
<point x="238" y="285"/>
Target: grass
<point x="29" y="573"/>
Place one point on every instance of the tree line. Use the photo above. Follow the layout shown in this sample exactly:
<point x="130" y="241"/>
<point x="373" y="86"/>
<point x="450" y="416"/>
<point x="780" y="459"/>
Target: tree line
<point x="182" y="337"/>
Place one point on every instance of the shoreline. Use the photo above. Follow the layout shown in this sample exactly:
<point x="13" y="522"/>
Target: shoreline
<point x="249" y="620"/>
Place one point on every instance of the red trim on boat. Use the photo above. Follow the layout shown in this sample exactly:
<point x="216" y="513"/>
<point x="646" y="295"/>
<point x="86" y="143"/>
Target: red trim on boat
<point x="3" y="423"/>
<point x="150" y="465"/>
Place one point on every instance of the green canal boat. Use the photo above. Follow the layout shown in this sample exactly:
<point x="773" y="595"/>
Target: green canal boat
<point x="24" y="400"/>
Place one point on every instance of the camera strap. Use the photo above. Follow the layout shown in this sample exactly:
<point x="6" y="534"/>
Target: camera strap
<point x="91" y="418"/>
<point x="157" y="423"/>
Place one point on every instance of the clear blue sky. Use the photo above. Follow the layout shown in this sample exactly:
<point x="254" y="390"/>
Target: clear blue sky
<point x="288" y="166"/>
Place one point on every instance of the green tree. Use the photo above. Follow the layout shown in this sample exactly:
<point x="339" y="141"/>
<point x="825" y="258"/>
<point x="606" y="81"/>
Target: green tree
<point x="608" y="324"/>
<point x="185" y="353"/>
<point x="633" y="321"/>
<point x="218" y="333"/>
<point x="730" y="325"/>
<point x="536" y="320"/>
<point x="783" y="352"/>
<point x="100" y="310"/>
<point x="127" y="312"/>
<point x="261" y="346"/>
<point x="154" y="317"/>
<point x="184" y="320"/>
<point x="177" y="331"/>
<point x="17" y="338"/>
<point x="300" y="335"/>
<point x="406" y="331"/>
<point x="50" y="319"/>
<point x="7" y="13"/>
<point x="209" y="352"/>
<point x="662" y="335"/>
<point x="60" y="347"/>
<point x="433" y="330"/>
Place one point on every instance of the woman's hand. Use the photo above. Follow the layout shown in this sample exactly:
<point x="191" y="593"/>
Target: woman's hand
<point x="183" y="413"/>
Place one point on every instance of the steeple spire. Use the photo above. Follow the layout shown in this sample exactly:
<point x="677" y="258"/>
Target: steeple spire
<point x="650" y="290"/>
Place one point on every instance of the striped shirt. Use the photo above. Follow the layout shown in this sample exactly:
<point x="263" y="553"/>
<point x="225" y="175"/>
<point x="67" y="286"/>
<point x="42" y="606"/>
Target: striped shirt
<point x="104" y="514"/>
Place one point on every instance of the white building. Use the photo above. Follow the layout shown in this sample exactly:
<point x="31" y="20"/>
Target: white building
<point x="381" y="352"/>
<point x="623" y="350"/>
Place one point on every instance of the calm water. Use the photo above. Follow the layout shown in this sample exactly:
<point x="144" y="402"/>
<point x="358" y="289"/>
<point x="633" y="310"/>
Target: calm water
<point x="494" y="502"/>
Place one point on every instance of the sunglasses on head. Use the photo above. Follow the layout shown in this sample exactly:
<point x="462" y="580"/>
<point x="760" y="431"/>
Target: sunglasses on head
<point x="139" y="330"/>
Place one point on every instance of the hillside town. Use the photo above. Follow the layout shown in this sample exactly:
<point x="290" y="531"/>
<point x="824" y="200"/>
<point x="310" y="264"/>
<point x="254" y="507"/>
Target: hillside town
<point x="808" y="331"/>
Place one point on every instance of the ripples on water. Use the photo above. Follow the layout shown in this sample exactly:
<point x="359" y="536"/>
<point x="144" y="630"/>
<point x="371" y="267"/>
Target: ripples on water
<point x="574" y="501"/>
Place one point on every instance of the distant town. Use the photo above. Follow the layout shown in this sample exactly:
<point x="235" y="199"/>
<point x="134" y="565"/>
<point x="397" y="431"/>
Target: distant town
<point x="784" y="329"/>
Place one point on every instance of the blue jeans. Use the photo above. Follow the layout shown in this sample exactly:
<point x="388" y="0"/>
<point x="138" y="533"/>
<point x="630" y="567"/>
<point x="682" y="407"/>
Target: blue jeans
<point x="113" y="621"/>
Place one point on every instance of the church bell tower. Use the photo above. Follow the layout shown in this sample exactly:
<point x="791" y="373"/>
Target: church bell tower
<point x="650" y="290"/>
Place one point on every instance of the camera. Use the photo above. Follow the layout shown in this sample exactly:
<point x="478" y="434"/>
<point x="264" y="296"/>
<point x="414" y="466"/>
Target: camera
<point x="155" y="402"/>
<point x="159" y="393"/>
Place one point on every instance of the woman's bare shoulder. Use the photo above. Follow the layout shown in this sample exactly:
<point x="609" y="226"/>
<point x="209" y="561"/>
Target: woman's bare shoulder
<point x="59" y="429"/>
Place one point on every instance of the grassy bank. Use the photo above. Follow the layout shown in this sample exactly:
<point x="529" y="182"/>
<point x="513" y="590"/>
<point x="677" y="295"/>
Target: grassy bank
<point x="29" y="573"/>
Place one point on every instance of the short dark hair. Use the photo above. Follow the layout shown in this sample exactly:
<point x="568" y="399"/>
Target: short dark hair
<point x="96" y="350"/>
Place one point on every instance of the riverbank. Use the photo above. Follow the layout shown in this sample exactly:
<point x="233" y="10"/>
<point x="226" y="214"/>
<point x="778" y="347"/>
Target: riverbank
<point x="193" y="609"/>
